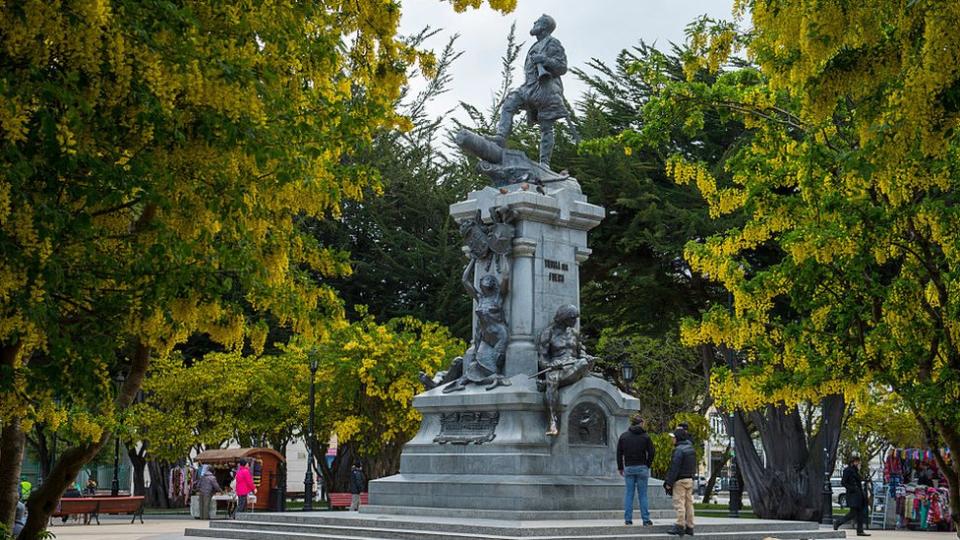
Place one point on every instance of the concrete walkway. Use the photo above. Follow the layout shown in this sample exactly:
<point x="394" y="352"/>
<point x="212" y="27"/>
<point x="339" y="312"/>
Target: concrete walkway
<point x="904" y="535"/>
<point x="168" y="528"/>
<point x="119" y="528"/>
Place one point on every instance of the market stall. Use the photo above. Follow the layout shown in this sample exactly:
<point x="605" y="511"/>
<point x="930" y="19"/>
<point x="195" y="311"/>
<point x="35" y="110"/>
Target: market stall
<point x="265" y="464"/>
<point x="915" y="490"/>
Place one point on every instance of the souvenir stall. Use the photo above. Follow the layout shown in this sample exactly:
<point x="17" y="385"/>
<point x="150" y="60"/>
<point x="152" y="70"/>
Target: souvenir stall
<point x="266" y="466"/>
<point x="918" y="494"/>
<point x="180" y="481"/>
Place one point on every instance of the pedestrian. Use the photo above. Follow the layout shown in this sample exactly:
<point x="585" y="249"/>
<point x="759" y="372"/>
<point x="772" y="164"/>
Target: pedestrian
<point x="893" y="471"/>
<point x="91" y="488"/>
<point x="20" y="519"/>
<point x="856" y="499"/>
<point x="244" y="485"/>
<point x="207" y="486"/>
<point x="635" y="454"/>
<point x="25" y="489"/>
<point x="356" y="486"/>
<point x="679" y="482"/>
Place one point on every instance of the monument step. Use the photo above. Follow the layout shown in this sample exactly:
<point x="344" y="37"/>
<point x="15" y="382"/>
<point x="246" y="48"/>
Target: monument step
<point x="356" y="526"/>
<point x="270" y="532"/>
<point x="571" y="523"/>
<point x="508" y="515"/>
<point x="510" y="493"/>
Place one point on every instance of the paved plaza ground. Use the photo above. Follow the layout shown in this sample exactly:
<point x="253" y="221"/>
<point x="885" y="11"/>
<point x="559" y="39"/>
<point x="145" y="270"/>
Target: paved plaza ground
<point x="168" y="528"/>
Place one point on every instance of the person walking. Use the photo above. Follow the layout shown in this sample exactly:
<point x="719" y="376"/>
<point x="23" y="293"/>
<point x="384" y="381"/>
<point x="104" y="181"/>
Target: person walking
<point x="20" y="519"/>
<point x="679" y="482"/>
<point x="856" y="498"/>
<point x="356" y="486"/>
<point x="635" y="454"/>
<point x="207" y="486"/>
<point x="244" y="485"/>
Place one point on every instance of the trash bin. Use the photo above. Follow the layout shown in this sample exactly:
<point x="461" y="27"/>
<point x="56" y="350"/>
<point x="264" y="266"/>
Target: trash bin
<point x="276" y="499"/>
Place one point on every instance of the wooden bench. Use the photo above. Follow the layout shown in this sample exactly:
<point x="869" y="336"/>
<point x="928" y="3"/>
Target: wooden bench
<point x="342" y="500"/>
<point x="96" y="505"/>
<point x="122" y="505"/>
<point x="76" y="505"/>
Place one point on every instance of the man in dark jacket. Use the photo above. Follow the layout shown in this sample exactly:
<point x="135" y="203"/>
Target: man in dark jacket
<point x="679" y="482"/>
<point x="634" y="458"/>
<point x="356" y="486"/>
<point x="856" y="498"/>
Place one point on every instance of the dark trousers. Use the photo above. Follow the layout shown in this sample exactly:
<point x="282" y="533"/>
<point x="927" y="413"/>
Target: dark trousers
<point x="854" y="513"/>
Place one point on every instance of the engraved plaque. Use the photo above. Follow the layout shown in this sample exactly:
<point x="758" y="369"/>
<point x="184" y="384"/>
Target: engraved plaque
<point x="587" y="425"/>
<point x="467" y="427"/>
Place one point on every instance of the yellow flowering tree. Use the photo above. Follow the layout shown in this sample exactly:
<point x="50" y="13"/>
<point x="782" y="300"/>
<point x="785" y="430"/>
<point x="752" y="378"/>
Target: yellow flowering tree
<point x="367" y="377"/>
<point x="845" y="274"/>
<point x="253" y="400"/>
<point x="156" y="161"/>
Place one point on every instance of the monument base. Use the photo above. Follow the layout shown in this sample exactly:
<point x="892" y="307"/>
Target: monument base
<point x="488" y="450"/>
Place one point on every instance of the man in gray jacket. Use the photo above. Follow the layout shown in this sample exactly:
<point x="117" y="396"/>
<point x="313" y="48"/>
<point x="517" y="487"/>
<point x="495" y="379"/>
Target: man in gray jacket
<point x="679" y="482"/>
<point x="207" y="486"/>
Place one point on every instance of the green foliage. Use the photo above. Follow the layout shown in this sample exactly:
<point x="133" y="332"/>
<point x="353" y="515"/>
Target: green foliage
<point x="663" y="443"/>
<point x="669" y="376"/>
<point x="404" y="246"/>
<point x="637" y="260"/>
<point x="877" y="421"/>
<point x="260" y="400"/>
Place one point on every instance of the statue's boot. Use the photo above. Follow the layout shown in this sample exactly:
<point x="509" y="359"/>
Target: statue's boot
<point x="553" y="431"/>
<point x="499" y="380"/>
<point x="455" y="386"/>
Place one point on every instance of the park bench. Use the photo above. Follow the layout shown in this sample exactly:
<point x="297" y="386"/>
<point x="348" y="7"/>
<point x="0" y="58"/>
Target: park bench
<point x="75" y="506"/>
<point x="97" y="505"/>
<point x="342" y="500"/>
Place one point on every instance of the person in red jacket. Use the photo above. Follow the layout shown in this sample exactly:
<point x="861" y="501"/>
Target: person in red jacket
<point x="245" y="485"/>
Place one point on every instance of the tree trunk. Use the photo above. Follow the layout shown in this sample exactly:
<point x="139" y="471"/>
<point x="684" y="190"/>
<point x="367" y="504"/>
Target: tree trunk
<point x="11" y="448"/>
<point x="139" y="463"/>
<point x="39" y="443"/>
<point x="11" y="458"/>
<point x="43" y="501"/>
<point x="158" y="495"/>
<point x="715" y="474"/>
<point x="789" y="485"/>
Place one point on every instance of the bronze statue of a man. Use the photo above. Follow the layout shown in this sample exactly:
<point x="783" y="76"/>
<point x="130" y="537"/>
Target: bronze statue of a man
<point x="562" y="359"/>
<point x="542" y="92"/>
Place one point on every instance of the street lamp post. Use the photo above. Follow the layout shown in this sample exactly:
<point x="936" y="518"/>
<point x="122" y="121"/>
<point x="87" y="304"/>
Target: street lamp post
<point x="115" y="484"/>
<point x="826" y="511"/>
<point x="736" y="491"/>
<point x="308" y="477"/>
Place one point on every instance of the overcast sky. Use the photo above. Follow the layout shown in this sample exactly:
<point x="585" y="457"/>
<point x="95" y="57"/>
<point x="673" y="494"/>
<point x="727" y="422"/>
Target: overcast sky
<point x="587" y="28"/>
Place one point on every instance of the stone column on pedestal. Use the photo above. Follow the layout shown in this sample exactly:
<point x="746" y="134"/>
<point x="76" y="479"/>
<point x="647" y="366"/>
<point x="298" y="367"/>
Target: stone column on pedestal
<point x="521" y="351"/>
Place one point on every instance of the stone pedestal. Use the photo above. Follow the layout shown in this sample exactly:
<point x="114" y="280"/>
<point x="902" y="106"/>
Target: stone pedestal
<point x="487" y="449"/>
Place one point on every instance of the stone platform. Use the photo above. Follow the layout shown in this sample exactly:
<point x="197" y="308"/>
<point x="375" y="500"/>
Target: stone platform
<point x="487" y="450"/>
<point x="366" y="526"/>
